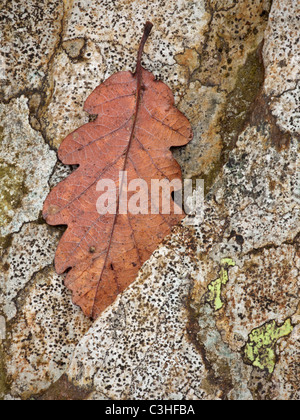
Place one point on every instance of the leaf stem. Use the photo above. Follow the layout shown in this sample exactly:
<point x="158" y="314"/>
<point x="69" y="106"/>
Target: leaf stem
<point x="147" y="31"/>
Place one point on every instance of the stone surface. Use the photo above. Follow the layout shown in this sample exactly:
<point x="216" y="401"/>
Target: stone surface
<point x="214" y="314"/>
<point x="135" y="348"/>
<point x="282" y="61"/>
<point x="24" y="156"/>
<point x="30" y="251"/>
<point x="109" y="47"/>
<point x="30" y="33"/>
<point x="42" y="337"/>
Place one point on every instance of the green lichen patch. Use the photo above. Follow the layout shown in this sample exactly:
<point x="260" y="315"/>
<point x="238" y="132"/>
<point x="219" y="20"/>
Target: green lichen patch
<point x="260" y="351"/>
<point x="214" y="294"/>
<point x="12" y="190"/>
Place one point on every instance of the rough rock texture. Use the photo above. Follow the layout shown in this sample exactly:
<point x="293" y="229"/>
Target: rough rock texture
<point x="24" y="157"/>
<point x="214" y="314"/>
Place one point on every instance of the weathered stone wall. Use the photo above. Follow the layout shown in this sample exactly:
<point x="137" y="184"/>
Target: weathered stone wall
<point x="214" y="314"/>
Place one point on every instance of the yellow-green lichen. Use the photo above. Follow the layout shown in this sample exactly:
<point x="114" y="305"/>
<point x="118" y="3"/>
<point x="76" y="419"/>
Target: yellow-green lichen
<point x="214" y="294"/>
<point x="261" y="346"/>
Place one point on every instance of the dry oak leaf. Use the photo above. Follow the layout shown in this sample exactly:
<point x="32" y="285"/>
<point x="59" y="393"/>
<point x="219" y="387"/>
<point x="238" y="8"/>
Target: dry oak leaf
<point x="136" y="125"/>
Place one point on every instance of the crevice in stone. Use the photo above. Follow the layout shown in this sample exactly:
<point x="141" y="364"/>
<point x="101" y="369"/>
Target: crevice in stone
<point x="293" y="242"/>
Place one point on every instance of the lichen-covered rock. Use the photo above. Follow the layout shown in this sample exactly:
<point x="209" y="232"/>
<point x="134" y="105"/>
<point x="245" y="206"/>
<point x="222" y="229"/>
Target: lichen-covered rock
<point x="97" y="42"/>
<point x="139" y="349"/>
<point x="72" y="82"/>
<point x="281" y="49"/>
<point x="41" y="339"/>
<point x="286" y="372"/>
<point x="259" y="188"/>
<point x="282" y="61"/>
<point x="30" y="33"/>
<point x="223" y="86"/>
<point x="30" y="251"/>
<point x="249" y="303"/>
<point x="147" y="337"/>
<point x="214" y="313"/>
<point x="226" y="305"/>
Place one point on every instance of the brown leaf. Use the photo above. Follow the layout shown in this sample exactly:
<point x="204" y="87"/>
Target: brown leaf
<point x="136" y="125"/>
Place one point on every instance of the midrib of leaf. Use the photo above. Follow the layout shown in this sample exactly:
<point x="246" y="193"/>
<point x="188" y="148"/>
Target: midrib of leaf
<point x="139" y="77"/>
